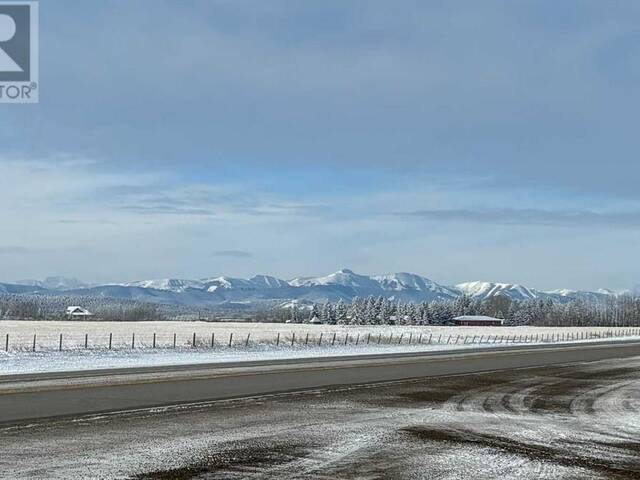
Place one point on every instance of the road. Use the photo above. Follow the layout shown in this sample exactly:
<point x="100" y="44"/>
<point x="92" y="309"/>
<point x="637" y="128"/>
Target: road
<point x="577" y="421"/>
<point x="36" y="396"/>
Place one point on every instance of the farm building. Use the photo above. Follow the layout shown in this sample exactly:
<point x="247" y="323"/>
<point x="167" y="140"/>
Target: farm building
<point x="76" y="312"/>
<point x="478" y="321"/>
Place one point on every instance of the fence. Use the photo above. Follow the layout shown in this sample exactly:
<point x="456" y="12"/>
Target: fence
<point x="109" y="341"/>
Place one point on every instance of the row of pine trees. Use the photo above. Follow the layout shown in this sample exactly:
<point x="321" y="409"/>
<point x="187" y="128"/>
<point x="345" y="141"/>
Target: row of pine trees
<point x="621" y="311"/>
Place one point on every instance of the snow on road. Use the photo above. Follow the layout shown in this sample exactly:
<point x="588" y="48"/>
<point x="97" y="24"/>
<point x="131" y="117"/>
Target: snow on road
<point x="562" y="422"/>
<point x="69" y="360"/>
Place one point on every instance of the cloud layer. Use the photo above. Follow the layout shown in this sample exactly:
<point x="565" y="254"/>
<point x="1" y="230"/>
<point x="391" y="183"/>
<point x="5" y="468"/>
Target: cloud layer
<point x="533" y="217"/>
<point x="435" y="136"/>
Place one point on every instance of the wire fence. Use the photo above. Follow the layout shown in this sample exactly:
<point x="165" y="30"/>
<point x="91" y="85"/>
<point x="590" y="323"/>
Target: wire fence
<point x="153" y="340"/>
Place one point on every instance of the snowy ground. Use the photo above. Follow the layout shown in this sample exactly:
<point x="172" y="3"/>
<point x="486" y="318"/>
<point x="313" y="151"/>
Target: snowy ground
<point x="567" y="422"/>
<point x="265" y="341"/>
<point x="69" y="360"/>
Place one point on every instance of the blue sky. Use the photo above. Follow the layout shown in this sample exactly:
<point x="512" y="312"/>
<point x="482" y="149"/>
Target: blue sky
<point x="462" y="140"/>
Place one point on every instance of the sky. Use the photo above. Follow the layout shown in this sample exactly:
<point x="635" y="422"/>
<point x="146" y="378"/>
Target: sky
<point x="459" y="140"/>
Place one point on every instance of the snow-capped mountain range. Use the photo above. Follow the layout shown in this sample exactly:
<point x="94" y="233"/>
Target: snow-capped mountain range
<point x="263" y="289"/>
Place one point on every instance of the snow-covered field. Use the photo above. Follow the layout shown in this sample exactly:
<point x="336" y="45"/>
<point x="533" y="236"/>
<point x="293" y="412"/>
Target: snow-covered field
<point x="243" y="342"/>
<point x="74" y="333"/>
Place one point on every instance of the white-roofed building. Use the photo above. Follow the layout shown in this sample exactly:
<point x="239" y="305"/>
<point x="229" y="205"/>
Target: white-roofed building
<point x="478" y="321"/>
<point x="76" y="312"/>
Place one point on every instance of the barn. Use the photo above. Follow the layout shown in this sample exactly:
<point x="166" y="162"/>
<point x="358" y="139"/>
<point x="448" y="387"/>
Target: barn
<point x="478" y="321"/>
<point x="76" y="313"/>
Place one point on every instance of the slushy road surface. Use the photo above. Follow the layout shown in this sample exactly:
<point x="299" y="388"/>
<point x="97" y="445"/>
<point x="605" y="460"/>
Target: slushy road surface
<point x="572" y="421"/>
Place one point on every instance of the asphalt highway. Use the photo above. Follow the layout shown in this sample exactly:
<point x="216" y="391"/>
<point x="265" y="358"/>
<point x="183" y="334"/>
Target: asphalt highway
<point x="30" y="397"/>
<point x="556" y="422"/>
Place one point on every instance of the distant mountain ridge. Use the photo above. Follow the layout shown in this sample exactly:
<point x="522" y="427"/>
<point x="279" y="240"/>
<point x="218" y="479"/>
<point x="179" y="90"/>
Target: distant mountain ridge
<point x="264" y="289"/>
<point x="54" y="283"/>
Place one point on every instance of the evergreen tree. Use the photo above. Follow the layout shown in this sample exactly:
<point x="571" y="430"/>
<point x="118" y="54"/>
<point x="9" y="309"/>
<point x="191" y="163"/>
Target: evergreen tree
<point x="328" y="314"/>
<point x="341" y="313"/>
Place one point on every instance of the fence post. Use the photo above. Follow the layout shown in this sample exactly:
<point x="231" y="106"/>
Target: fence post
<point x="430" y="335"/>
<point x="6" y="344"/>
<point x="34" y="342"/>
<point x="230" y="339"/>
<point x="400" y="339"/>
<point x="379" y="338"/>
<point x="278" y="340"/>
<point x="346" y="338"/>
<point x="86" y="340"/>
<point x="60" y="345"/>
<point x="320" y="341"/>
<point x="154" y="339"/>
<point x="368" y="337"/>
<point x="420" y="338"/>
<point x="213" y="339"/>
<point x="133" y="341"/>
<point x="293" y="338"/>
<point x="306" y="340"/>
<point x="110" y="340"/>
<point x="246" y="343"/>
<point x="410" y="337"/>
<point x="193" y="343"/>
<point x="357" y="338"/>
<point x="174" y="340"/>
<point x="334" y="339"/>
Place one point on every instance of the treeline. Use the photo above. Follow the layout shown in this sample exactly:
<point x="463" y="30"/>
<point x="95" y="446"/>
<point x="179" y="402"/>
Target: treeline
<point x="35" y="307"/>
<point x="621" y="311"/>
<point x="614" y="311"/>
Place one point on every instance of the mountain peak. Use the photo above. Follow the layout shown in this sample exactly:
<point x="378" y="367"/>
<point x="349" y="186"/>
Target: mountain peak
<point x="169" y="284"/>
<point x="267" y="281"/>
<point x="346" y="271"/>
<point x="484" y="290"/>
